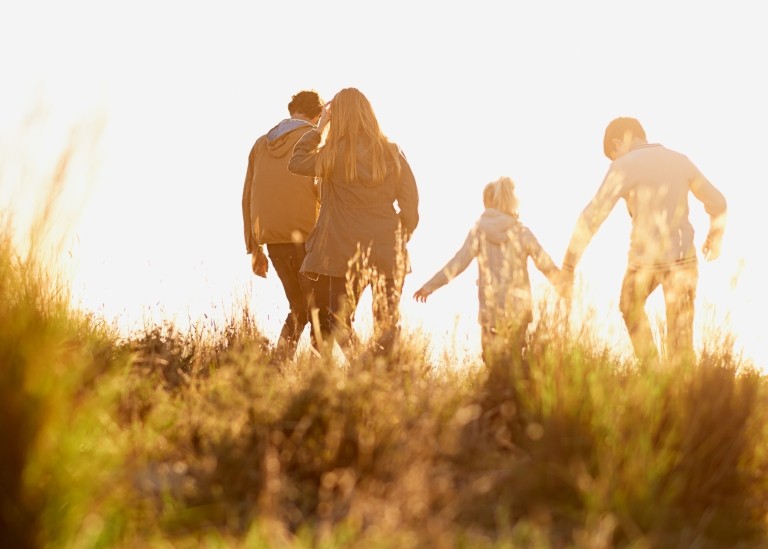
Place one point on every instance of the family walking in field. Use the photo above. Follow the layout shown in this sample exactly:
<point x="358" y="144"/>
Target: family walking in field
<point x="335" y="203"/>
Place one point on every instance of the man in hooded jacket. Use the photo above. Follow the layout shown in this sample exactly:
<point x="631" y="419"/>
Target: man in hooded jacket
<point x="280" y="210"/>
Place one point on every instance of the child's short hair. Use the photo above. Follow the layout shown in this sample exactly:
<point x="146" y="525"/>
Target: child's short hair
<point x="617" y="128"/>
<point x="500" y="195"/>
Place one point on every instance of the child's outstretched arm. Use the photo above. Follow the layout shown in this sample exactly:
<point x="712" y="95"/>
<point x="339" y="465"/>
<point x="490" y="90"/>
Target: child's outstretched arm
<point x="548" y="268"/>
<point x="451" y="270"/>
<point x="559" y="279"/>
<point x="422" y="294"/>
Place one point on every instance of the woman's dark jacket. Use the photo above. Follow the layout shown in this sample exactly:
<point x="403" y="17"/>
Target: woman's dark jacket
<point x="358" y="214"/>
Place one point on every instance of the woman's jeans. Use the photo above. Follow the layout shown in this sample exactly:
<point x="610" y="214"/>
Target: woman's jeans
<point x="337" y="297"/>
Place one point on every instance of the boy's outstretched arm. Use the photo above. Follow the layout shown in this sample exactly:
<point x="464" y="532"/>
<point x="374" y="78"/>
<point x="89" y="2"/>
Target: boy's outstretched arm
<point x="593" y="216"/>
<point x="717" y="208"/>
<point x="711" y="246"/>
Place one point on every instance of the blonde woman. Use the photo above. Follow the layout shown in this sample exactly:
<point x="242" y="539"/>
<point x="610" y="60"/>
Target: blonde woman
<point x="502" y="246"/>
<point x="369" y="208"/>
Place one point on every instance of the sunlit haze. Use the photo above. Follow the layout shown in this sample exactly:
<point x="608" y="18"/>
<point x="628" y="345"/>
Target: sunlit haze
<point x="168" y="102"/>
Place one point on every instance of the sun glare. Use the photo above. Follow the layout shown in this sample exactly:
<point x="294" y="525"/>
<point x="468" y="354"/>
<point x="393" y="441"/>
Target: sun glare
<point x="153" y="189"/>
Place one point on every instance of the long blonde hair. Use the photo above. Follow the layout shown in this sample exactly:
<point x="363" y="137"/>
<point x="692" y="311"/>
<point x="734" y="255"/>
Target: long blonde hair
<point x="353" y="121"/>
<point x="500" y="194"/>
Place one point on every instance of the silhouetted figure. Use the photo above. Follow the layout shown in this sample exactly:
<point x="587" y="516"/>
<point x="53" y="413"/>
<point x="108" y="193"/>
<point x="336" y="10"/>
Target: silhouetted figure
<point x="502" y="246"/>
<point x="280" y="209"/>
<point x="654" y="182"/>
<point x="360" y="236"/>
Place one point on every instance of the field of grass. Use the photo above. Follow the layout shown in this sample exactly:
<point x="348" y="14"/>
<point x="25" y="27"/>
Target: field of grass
<point x="194" y="439"/>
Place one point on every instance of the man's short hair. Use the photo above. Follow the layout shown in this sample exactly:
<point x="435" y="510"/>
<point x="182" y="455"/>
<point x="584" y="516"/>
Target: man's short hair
<point x="618" y="128"/>
<point x="306" y="102"/>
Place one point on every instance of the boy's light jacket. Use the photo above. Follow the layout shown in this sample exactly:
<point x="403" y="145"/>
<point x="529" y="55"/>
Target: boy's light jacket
<point x="655" y="183"/>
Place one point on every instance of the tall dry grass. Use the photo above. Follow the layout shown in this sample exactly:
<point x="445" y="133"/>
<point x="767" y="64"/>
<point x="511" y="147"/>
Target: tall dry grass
<point x="171" y="438"/>
<point x="580" y="450"/>
<point x="52" y="360"/>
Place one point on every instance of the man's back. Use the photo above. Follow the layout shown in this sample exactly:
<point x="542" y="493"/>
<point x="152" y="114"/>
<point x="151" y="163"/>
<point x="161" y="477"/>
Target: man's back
<point x="655" y="182"/>
<point x="279" y="207"/>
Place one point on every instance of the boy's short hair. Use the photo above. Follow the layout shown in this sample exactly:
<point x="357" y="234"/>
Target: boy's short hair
<point x="617" y="128"/>
<point x="306" y="102"/>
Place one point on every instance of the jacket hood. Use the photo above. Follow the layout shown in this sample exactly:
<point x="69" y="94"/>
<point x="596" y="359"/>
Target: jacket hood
<point x="279" y="140"/>
<point x="495" y="225"/>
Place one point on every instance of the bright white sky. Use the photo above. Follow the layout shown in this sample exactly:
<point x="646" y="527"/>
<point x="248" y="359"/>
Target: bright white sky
<point x="471" y="91"/>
